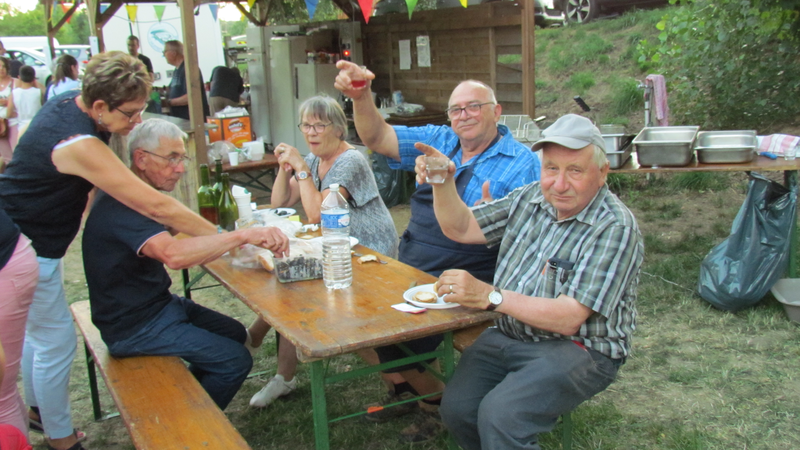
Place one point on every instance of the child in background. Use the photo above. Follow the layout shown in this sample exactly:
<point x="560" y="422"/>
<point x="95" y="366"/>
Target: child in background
<point x="24" y="102"/>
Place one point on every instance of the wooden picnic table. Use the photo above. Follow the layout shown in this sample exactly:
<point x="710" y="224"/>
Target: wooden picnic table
<point x="249" y="173"/>
<point x="324" y="323"/>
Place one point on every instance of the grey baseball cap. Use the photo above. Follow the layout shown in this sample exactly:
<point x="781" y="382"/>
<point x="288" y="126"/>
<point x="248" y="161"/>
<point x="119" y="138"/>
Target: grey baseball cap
<point x="571" y="131"/>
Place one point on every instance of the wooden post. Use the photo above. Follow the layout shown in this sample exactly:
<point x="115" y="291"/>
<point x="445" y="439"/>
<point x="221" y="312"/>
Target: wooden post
<point x="196" y="146"/>
<point x="528" y="59"/>
<point x="98" y="20"/>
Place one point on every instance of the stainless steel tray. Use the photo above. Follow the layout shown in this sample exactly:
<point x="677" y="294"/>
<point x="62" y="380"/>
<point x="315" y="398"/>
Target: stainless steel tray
<point x="725" y="147"/>
<point x="665" y="146"/>
<point x="618" y="158"/>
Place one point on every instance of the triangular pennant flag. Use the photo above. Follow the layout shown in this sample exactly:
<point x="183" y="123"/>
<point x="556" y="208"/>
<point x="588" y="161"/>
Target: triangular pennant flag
<point x="159" y="9"/>
<point x="250" y="3"/>
<point x="411" y="4"/>
<point x="311" y="5"/>
<point x="366" y="8"/>
<point x="213" y="8"/>
<point x="103" y="8"/>
<point x="132" y="12"/>
<point x="65" y="7"/>
<point x="464" y="3"/>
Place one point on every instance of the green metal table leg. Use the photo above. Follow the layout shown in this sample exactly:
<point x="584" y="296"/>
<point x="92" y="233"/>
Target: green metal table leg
<point x="320" y="408"/>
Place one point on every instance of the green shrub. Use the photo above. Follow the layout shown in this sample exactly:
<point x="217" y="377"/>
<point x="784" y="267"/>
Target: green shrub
<point x="729" y="63"/>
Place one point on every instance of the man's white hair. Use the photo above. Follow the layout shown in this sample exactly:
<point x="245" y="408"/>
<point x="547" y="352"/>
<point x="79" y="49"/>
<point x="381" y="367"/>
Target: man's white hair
<point x="147" y="135"/>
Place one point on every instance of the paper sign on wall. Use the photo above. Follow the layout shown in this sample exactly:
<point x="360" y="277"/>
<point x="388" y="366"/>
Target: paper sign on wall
<point x="405" y="54"/>
<point x="423" y="51"/>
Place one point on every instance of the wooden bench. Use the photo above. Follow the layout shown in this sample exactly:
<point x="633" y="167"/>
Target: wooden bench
<point x="465" y="337"/>
<point x="162" y="404"/>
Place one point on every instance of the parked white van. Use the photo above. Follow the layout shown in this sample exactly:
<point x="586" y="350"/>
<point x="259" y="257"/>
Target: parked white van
<point x="34" y="42"/>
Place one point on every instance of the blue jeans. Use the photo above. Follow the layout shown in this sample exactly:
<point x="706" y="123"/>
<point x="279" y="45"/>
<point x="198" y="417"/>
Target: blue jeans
<point x="505" y="392"/>
<point x="212" y="343"/>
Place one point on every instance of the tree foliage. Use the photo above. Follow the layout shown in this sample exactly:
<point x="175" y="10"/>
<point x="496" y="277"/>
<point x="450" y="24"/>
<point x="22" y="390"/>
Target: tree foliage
<point x="31" y="23"/>
<point x="730" y="63"/>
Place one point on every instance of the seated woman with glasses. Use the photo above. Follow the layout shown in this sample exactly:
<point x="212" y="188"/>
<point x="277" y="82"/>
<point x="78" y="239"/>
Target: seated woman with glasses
<point x="45" y="190"/>
<point x="332" y="160"/>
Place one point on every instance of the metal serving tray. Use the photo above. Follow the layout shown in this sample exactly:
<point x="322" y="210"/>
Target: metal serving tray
<point x="665" y="146"/>
<point x="724" y="147"/>
<point x="619" y="157"/>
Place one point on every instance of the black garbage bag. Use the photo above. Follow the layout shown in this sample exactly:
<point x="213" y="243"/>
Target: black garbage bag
<point x="738" y="272"/>
<point x="390" y="182"/>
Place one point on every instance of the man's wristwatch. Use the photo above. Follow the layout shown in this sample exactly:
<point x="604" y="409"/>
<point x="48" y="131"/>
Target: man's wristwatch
<point x="301" y="175"/>
<point x="495" y="299"/>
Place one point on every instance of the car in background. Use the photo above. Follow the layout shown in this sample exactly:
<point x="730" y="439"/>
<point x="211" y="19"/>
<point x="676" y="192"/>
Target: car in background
<point x="35" y="59"/>
<point x="581" y="11"/>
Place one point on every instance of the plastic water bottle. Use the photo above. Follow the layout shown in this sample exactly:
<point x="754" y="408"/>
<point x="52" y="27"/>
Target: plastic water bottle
<point x="337" y="265"/>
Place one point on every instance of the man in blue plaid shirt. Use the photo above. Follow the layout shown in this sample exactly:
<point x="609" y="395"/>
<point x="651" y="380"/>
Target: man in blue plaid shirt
<point x="567" y="272"/>
<point x="488" y="163"/>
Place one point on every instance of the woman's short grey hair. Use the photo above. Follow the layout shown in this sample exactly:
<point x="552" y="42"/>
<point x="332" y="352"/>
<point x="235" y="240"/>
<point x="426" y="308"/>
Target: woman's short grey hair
<point x="147" y="135"/>
<point x="326" y="109"/>
<point x="115" y="78"/>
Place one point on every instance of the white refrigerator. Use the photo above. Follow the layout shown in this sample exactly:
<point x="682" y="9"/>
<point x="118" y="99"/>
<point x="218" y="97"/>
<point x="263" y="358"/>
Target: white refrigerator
<point x="280" y="80"/>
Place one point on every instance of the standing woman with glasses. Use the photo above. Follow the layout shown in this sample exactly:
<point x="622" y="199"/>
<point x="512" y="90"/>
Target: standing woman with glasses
<point x="66" y="76"/>
<point x="62" y="156"/>
<point x="332" y="160"/>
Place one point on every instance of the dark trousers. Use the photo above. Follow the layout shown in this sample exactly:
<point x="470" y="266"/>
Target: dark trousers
<point x="212" y="343"/>
<point x="505" y="392"/>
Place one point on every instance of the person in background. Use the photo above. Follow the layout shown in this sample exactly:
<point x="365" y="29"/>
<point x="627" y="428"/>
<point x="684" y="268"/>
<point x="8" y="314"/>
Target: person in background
<point x="566" y="280"/>
<point x="24" y="103"/>
<point x="66" y="76"/>
<point x="14" y="65"/>
<point x="332" y="160"/>
<point x="226" y="88"/>
<point x="178" y="98"/>
<point x="60" y="158"/>
<point x="124" y="253"/>
<point x="133" y="50"/>
<point x="19" y="272"/>
<point x="6" y="85"/>
<point x="489" y="163"/>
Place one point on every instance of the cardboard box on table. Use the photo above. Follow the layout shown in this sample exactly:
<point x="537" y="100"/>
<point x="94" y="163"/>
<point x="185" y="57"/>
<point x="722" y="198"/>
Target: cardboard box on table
<point x="235" y="130"/>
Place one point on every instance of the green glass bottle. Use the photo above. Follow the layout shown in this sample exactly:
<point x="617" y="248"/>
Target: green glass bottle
<point x="228" y="211"/>
<point x="206" y="200"/>
<point x="217" y="187"/>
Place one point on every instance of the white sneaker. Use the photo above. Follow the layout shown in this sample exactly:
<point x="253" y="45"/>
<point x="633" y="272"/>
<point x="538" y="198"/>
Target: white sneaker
<point x="277" y="387"/>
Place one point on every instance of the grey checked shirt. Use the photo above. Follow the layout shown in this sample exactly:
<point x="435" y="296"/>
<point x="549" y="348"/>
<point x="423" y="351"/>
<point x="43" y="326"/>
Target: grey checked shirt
<point x="605" y="245"/>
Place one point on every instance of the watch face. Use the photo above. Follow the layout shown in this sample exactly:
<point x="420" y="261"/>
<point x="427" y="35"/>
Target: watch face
<point x="302" y="175"/>
<point x="495" y="298"/>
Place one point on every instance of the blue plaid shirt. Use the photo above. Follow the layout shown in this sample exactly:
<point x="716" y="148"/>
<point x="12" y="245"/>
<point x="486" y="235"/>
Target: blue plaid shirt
<point x="507" y="164"/>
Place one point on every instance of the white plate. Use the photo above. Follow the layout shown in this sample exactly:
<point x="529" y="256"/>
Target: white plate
<point x="440" y="303"/>
<point x="353" y="241"/>
<point x="280" y="212"/>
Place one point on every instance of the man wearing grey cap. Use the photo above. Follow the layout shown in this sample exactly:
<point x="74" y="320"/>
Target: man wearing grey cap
<point x="566" y="280"/>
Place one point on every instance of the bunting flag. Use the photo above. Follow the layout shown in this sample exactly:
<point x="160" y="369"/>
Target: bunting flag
<point x="65" y="7"/>
<point x="366" y="8"/>
<point x="159" y="9"/>
<point x="411" y="4"/>
<point x="311" y="5"/>
<point x="250" y="3"/>
<point x="103" y="8"/>
<point x="464" y="3"/>
<point x="132" y="12"/>
<point x="213" y="7"/>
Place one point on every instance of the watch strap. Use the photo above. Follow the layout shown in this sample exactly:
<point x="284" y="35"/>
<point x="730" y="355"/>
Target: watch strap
<point x="493" y="306"/>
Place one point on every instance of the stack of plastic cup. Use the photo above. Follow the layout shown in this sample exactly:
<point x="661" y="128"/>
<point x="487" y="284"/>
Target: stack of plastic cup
<point x="242" y="198"/>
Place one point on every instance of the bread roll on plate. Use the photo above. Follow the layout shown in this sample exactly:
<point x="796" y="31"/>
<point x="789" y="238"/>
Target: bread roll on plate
<point x="425" y="297"/>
